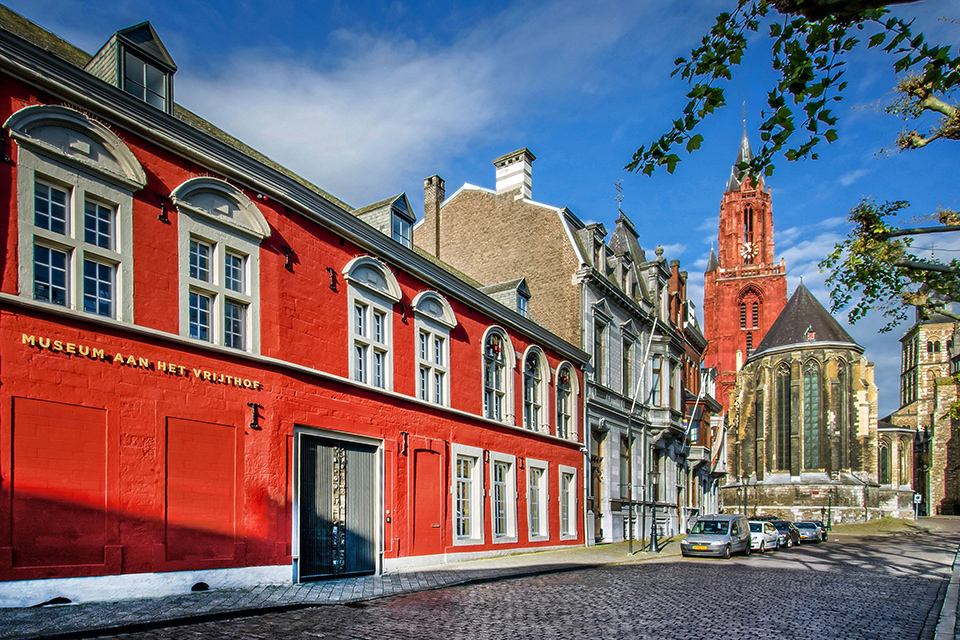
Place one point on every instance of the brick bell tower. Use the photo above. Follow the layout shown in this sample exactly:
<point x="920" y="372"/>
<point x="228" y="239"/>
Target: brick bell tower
<point x="744" y="290"/>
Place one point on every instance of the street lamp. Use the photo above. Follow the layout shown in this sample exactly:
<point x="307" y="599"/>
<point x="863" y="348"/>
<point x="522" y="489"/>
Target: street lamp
<point x="654" y="546"/>
<point x="745" y="492"/>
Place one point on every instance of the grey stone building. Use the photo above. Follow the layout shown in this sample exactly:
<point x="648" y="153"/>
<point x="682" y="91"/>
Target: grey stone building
<point x="603" y="293"/>
<point x="929" y="359"/>
<point x="804" y="442"/>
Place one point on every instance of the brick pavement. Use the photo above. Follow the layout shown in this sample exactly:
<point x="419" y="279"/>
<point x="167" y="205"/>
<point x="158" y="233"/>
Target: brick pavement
<point x="277" y="605"/>
<point x="88" y="620"/>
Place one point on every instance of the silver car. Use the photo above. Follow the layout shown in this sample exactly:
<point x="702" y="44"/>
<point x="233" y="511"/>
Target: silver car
<point x="718" y="535"/>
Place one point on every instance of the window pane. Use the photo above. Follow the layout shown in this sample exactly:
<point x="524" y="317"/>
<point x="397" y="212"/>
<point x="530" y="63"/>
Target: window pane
<point x="200" y="261"/>
<point x="464" y="496"/>
<point x="233" y="273"/>
<point x="438" y="382"/>
<point x="133" y="75"/>
<point x="50" y="208"/>
<point x="360" y="363"/>
<point x="360" y="320"/>
<point x="97" y="288"/>
<point x="424" y="384"/>
<point x="379" y="373"/>
<point x="438" y="344"/>
<point x="500" y="470"/>
<point x="199" y="316"/>
<point x="155" y="85"/>
<point x="379" y="326"/>
<point x="49" y="275"/>
<point x="424" y="342"/>
<point x="234" y="325"/>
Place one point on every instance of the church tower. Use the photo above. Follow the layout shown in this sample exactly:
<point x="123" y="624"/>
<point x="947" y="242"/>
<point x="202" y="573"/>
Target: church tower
<point x="744" y="289"/>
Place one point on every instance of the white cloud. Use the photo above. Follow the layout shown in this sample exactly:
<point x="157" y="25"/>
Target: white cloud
<point x="850" y="177"/>
<point x="380" y="111"/>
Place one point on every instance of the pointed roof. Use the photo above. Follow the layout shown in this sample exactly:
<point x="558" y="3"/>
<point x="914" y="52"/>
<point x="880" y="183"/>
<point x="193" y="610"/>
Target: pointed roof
<point x="804" y="322"/>
<point x="399" y="202"/>
<point x="744" y="155"/>
<point x="145" y="38"/>
<point x="624" y="240"/>
<point x="712" y="262"/>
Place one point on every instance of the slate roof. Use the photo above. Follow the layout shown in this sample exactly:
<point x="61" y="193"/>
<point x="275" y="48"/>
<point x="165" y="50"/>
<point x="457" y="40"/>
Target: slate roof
<point x="624" y="240"/>
<point x="744" y="154"/>
<point x="712" y="262"/>
<point x="803" y="314"/>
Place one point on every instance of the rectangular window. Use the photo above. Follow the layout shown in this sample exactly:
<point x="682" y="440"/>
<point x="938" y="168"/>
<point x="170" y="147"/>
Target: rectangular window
<point x="537" y="499"/>
<point x="50" y="208"/>
<point x="599" y="361"/>
<point x="424" y="345"/>
<point x="98" y="288"/>
<point x="500" y="471"/>
<point x="200" y="261"/>
<point x="144" y="81"/>
<point x="234" y="325"/>
<point x="656" y="381"/>
<point x="424" y="391"/>
<point x="401" y="231"/>
<point x="200" y="325"/>
<point x="438" y="350"/>
<point x="438" y="381"/>
<point x="523" y="305"/>
<point x="360" y="320"/>
<point x="568" y="499"/>
<point x="464" y="497"/>
<point x="536" y="475"/>
<point x="49" y="275"/>
<point x="98" y="225"/>
<point x="379" y="326"/>
<point x="627" y="368"/>
<point x="360" y="363"/>
<point x="233" y="273"/>
<point x="379" y="368"/>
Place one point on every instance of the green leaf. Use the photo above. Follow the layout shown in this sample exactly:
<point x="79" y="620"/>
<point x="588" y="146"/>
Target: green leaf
<point x="694" y="143"/>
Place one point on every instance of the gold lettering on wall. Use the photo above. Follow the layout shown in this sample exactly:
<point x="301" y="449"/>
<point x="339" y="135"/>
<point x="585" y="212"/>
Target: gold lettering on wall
<point x="132" y="361"/>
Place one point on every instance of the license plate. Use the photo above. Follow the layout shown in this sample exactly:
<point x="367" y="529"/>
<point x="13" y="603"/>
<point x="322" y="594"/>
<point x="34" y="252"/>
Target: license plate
<point x="699" y="547"/>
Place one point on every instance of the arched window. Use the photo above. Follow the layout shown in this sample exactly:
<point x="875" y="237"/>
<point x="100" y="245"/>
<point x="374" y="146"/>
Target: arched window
<point x="535" y="376"/>
<point x="498" y="361"/>
<point x="783" y="416"/>
<point x="936" y="347"/>
<point x="811" y="416"/>
<point x="567" y="392"/>
<point x="884" y="462"/>
<point x="220" y="231"/>
<point x="903" y="469"/>
<point x="372" y="291"/>
<point x="75" y="186"/>
<point x="434" y="319"/>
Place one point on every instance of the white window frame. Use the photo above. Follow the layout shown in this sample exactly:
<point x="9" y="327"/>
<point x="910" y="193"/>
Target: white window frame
<point x="543" y="495"/>
<point x="540" y="399"/>
<point x="509" y="488"/>
<point x="573" y="390"/>
<point x="434" y="319"/>
<point x="508" y="358"/>
<point x="64" y="149"/>
<point x="215" y="213"/>
<point x="401" y="229"/>
<point x="371" y="285"/>
<point x="568" y="528"/>
<point x="475" y="455"/>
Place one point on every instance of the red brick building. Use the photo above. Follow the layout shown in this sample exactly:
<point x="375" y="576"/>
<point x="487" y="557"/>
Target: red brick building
<point x="213" y="371"/>
<point x="744" y="290"/>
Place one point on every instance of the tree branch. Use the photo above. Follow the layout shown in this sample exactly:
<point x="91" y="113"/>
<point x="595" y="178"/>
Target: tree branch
<point x="916" y="231"/>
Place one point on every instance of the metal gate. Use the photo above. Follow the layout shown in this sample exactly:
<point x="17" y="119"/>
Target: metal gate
<point x="337" y="511"/>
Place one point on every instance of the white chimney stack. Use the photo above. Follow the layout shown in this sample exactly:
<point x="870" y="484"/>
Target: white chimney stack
<point x="514" y="172"/>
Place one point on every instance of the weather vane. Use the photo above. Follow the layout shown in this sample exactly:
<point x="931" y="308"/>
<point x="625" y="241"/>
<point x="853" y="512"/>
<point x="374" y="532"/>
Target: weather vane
<point x="619" y="187"/>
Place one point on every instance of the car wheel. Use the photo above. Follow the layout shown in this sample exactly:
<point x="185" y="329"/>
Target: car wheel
<point x="726" y="552"/>
<point x="747" y="550"/>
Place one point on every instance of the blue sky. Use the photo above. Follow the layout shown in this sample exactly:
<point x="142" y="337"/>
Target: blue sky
<point x="368" y="98"/>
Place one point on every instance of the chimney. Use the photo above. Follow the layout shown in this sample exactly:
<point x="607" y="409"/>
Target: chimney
<point x="513" y="172"/>
<point x="433" y="196"/>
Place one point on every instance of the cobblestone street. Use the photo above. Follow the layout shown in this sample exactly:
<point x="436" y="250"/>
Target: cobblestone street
<point x="854" y="588"/>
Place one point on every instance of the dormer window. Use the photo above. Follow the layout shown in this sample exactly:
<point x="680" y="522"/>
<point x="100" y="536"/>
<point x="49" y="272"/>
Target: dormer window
<point x="145" y="81"/>
<point x="523" y="305"/>
<point x="136" y="61"/>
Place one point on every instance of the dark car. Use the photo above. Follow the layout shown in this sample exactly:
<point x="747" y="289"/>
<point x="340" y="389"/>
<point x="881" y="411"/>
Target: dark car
<point x="809" y="532"/>
<point x="823" y="530"/>
<point x="789" y="536"/>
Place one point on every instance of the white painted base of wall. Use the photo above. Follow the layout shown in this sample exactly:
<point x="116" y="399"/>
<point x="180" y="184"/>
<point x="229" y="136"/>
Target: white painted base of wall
<point x="396" y="564"/>
<point x="26" y="593"/>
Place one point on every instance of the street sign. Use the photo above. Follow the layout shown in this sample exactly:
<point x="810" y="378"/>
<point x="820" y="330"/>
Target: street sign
<point x="917" y="498"/>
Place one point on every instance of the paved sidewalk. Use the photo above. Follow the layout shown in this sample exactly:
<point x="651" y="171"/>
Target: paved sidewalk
<point x="89" y="620"/>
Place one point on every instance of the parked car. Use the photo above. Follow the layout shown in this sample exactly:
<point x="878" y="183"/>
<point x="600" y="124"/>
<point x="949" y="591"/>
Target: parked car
<point x="763" y="536"/>
<point x="823" y="530"/>
<point x="718" y="535"/>
<point x="809" y="532"/>
<point x="789" y="535"/>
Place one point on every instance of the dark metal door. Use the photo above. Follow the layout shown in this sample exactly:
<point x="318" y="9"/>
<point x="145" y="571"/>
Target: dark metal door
<point x="337" y="508"/>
